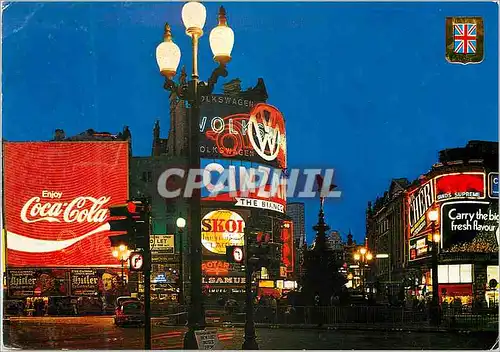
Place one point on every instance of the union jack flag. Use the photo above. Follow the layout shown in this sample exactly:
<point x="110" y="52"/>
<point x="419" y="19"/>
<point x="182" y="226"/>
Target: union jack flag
<point x="465" y="35"/>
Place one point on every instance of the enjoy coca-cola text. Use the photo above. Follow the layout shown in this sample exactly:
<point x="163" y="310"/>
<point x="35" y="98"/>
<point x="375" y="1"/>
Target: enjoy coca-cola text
<point x="77" y="210"/>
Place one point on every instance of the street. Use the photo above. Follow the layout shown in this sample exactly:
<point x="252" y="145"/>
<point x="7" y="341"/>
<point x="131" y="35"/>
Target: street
<point x="101" y="333"/>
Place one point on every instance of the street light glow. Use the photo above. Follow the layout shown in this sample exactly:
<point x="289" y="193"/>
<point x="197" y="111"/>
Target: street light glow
<point x="356" y="256"/>
<point x="168" y="54"/>
<point x="194" y="16"/>
<point x="436" y="237"/>
<point x="115" y="253"/>
<point x="433" y="215"/>
<point x="362" y="251"/>
<point x="122" y="247"/>
<point x="222" y="39"/>
<point x="181" y="223"/>
<point x="369" y="256"/>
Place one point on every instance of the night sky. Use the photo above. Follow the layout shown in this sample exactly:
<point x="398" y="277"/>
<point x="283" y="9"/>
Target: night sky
<point x="365" y="87"/>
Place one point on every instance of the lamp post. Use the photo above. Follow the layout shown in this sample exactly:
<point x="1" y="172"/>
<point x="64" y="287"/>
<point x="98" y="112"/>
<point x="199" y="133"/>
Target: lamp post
<point x="168" y="57"/>
<point x="122" y="253"/>
<point x="181" y="224"/>
<point x="433" y="216"/>
<point x="362" y="257"/>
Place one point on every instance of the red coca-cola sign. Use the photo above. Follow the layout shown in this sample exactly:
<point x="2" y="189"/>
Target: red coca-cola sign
<point x="56" y="201"/>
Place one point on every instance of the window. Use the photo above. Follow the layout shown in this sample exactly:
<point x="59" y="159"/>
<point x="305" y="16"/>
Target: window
<point x="455" y="274"/>
<point x="492" y="272"/>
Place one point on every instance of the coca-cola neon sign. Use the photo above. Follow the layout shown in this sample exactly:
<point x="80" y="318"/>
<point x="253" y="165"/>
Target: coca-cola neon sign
<point x="76" y="210"/>
<point x="57" y="196"/>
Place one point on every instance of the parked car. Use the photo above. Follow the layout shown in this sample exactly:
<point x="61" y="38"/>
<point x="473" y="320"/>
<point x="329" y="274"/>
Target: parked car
<point x="122" y="299"/>
<point x="129" y="312"/>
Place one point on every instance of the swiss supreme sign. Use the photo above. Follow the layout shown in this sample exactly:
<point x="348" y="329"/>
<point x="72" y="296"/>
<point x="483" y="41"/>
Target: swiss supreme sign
<point x="57" y="196"/>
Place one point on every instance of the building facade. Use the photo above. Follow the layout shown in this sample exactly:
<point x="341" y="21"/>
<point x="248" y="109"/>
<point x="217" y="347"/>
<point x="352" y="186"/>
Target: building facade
<point x="463" y="187"/>
<point x="385" y="230"/>
<point x="296" y="212"/>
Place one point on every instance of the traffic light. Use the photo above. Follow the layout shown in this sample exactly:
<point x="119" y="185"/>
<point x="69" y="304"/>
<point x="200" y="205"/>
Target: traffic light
<point x="132" y="220"/>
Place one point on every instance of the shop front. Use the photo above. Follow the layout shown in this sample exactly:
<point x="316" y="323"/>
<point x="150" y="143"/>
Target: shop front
<point x="54" y="291"/>
<point x="491" y="294"/>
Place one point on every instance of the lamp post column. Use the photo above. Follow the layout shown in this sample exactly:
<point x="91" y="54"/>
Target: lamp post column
<point x="196" y="317"/>
<point x="250" y="342"/>
<point x="123" y="276"/>
<point x="433" y="216"/>
<point x="168" y="57"/>
<point x="435" y="283"/>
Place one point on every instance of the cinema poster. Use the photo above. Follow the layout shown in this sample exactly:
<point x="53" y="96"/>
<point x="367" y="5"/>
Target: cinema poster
<point x="37" y="283"/>
<point x="91" y="282"/>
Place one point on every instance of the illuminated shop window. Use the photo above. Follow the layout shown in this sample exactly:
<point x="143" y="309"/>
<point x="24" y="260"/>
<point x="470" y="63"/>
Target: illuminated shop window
<point x="443" y="274"/>
<point x="492" y="272"/>
<point x="455" y="274"/>
<point x="466" y="273"/>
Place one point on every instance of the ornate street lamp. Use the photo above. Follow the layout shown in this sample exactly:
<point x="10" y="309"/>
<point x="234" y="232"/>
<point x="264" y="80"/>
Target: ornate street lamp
<point x="363" y="257"/>
<point x="433" y="216"/>
<point x="122" y="253"/>
<point x="168" y="57"/>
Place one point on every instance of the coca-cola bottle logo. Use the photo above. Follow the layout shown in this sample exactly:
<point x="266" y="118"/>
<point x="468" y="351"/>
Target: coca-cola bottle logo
<point x="78" y="210"/>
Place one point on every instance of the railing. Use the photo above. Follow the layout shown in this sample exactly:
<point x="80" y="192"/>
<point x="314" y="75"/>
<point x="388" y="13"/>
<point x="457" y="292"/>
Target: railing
<point x="353" y="316"/>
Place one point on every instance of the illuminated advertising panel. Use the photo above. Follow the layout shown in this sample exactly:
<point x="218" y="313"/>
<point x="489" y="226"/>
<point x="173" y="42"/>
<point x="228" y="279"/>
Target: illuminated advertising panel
<point x="287" y="249"/>
<point x="245" y="184"/>
<point x="56" y="197"/>
<point x="39" y="282"/>
<point x="222" y="228"/>
<point x="493" y="185"/>
<point x="90" y="282"/>
<point x="467" y="185"/>
<point x="419" y="247"/>
<point x="253" y="132"/>
<point x="215" y="268"/>
<point x="469" y="226"/>
<point x="419" y="201"/>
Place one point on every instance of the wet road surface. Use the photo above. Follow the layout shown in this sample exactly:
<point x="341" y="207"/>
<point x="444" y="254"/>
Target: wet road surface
<point x="101" y="333"/>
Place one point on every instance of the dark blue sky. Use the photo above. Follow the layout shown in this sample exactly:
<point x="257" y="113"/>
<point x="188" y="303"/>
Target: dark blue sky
<point x="364" y="87"/>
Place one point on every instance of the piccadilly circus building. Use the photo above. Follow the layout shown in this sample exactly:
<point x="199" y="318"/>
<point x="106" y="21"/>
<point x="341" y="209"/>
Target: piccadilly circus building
<point x="243" y="140"/>
<point x="463" y="188"/>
